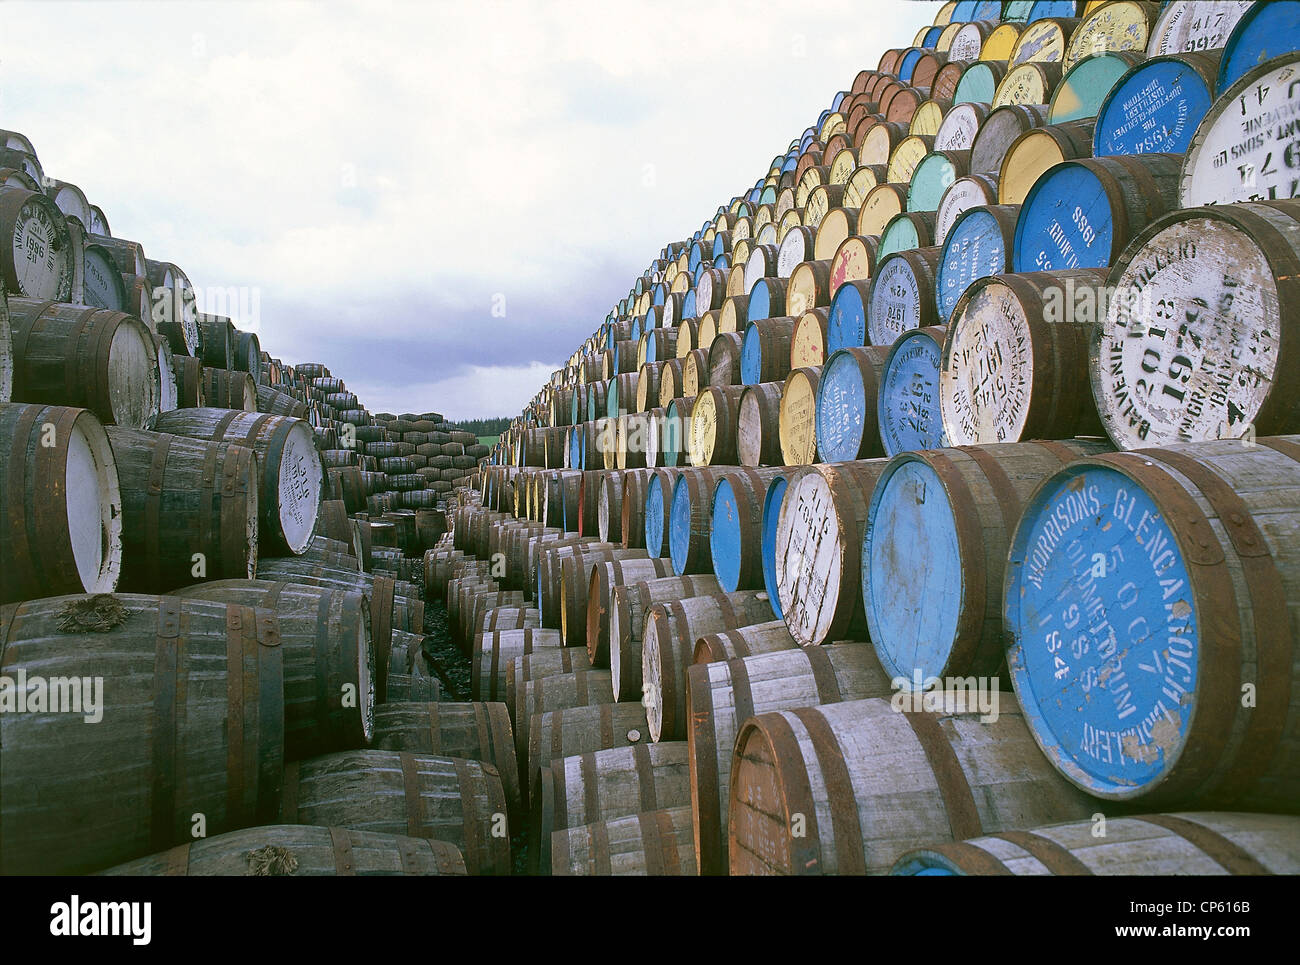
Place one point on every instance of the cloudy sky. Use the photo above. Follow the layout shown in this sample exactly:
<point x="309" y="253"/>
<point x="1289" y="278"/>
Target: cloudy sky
<point x="380" y="175"/>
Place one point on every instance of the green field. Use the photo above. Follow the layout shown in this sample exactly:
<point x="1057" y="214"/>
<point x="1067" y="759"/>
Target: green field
<point x="488" y="441"/>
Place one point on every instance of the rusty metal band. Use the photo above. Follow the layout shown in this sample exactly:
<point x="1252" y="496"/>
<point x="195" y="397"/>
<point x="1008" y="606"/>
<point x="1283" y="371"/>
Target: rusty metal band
<point x="153" y="508"/>
<point x="795" y="791"/>
<point x="704" y="752"/>
<point x="435" y="727"/>
<point x="410" y="851"/>
<point x="270" y="714"/>
<point x="742" y="694"/>
<point x="970" y="858"/>
<point x="954" y="788"/>
<point x="850" y="857"/>
<point x="1231" y="856"/>
<point x="1061" y="451"/>
<point x="561" y="856"/>
<point x="823" y="671"/>
<point x="475" y="857"/>
<point x="970" y="544"/>
<point x="1271" y="622"/>
<point x="176" y="861"/>
<point x="670" y="860"/>
<point x="23" y="527"/>
<point x="1053" y="856"/>
<point x="645" y="775"/>
<point x="412" y="790"/>
<point x="598" y="843"/>
<point x="233" y="512"/>
<point x="168" y="659"/>
<point x="555" y="721"/>
<point x="329" y="686"/>
<point x="381" y="622"/>
<point x="341" y="845"/>
<point x="219" y="432"/>
<point x="1287" y="448"/>
<point x="236" y="721"/>
<point x="652" y="847"/>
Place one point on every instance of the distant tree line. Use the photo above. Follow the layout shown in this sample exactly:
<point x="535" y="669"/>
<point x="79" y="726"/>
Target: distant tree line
<point x="484" y="427"/>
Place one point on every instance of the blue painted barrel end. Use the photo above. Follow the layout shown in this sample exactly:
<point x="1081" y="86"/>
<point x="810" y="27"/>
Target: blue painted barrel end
<point x="679" y="526"/>
<point x="654" y="518"/>
<point x="841" y="400"/>
<point x="751" y="357"/>
<point x="1155" y="107"/>
<point x="724" y="536"/>
<point x="1103" y="633"/>
<point x="1065" y="222"/>
<point x="760" y="299"/>
<point x="846" y="323"/>
<point x="974" y="248"/>
<point x="908" y="405"/>
<point x="1267" y="30"/>
<point x="771" y="516"/>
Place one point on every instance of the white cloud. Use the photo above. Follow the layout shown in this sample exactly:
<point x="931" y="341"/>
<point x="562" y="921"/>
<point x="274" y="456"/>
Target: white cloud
<point x="469" y="394"/>
<point x="352" y="155"/>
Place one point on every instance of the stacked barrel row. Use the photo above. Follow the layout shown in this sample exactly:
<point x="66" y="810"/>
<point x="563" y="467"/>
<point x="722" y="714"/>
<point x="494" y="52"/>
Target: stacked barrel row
<point x="205" y="668"/>
<point x="1044" y="233"/>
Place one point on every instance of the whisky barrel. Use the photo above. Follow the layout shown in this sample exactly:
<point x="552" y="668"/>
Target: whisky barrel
<point x="935" y="547"/>
<point x="654" y="512"/>
<point x="1036" y="151"/>
<point x="972" y="191"/>
<point x="846" y="322"/>
<point x="274" y="402"/>
<point x="765" y="353"/>
<point x="725" y="694"/>
<point x="248" y="356"/>
<point x="652" y="843"/>
<point x="1118" y="26"/>
<point x="1234" y="152"/>
<point x="496" y="648"/>
<point x="60" y="504"/>
<point x="405" y="688"/>
<point x="444" y="798"/>
<point x="469" y="731"/>
<point x="629" y="607"/>
<point x="998" y="131"/>
<point x="549" y="559"/>
<point x="1015" y="358"/>
<point x="747" y="641"/>
<point x="175" y="311"/>
<point x="1108" y="201"/>
<point x="329" y="660"/>
<point x="189" y="509"/>
<point x="758" y="425"/>
<point x="190" y="387"/>
<point x="619" y="782"/>
<point x="1183" y="26"/>
<point x="929" y="778"/>
<point x="1187" y="843"/>
<point x="603" y="578"/>
<point x="226" y="389"/>
<point x="571" y="731"/>
<point x="847" y="425"/>
<point x="102" y="283"/>
<point x="6" y="351"/>
<point x="183" y="674"/>
<point x="1200" y="527"/>
<point x="1227" y="275"/>
<point x="689" y="515"/>
<point x="908" y="412"/>
<point x="854" y="260"/>
<point x="675" y="431"/>
<point x="817" y="550"/>
<point x="1157" y="105"/>
<point x="668" y="648"/>
<point x="1027" y="83"/>
<point x="69" y="354"/>
<point x="903" y="294"/>
<point x="980" y="244"/>
<point x="282" y="849"/>
<point x="36" y="260"/>
<point x="217" y="341"/>
<point x="960" y="125"/>
<point x="545" y="662"/>
<point x="735" y="526"/>
<point x="291" y="469"/>
<point x="578" y="688"/>
<point x="798" y="416"/>
<point x="1047" y="34"/>
<point x="575" y="579"/>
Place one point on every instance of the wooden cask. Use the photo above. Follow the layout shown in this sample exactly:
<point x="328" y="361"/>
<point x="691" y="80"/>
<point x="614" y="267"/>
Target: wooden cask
<point x="570" y="731"/>
<point x="217" y="342"/>
<point x="328" y="655"/>
<point x="604" y="578"/>
<point x="846" y="418"/>
<point x="1157" y="106"/>
<point x="190" y="509"/>
<point x="979" y="244"/>
<point x="1227" y="274"/>
<point x="1037" y="150"/>
<point x="735" y="524"/>
<point x="1124" y="25"/>
<point x="614" y="783"/>
<point x="291" y="468"/>
<point x="798" y="416"/>
<point x="192" y="721"/>
<point x="653" y="843"/>
<point x="36" y="259"/>
<point x="471" y="731"/>
<point x="274" y="402"/>
<point x="191" y="388"/>
<point x="444" y="798"/>
<point x="6" y="351"/>
<point x="1207" y="531"/>
<point x="495" y="648"/>
<point x="578" y="688"/>
<point x="1182" y="28"/>
<point x="1188" y="843"/>
<point x="400" y="688"/>
<point x="713" y="434"/>
<point x="908" y="410"/>
<point x="668" y="649"/>
<point x="296" y="850"/>
<point x="689" y="515"/>
<point x="542" y="663"/>
<point x="903" y="294"/>
<point x="60" y="504"/>
<point x="926" y="778"/>
<point x="934" y="552"/>
<point x="72" y="355"/>
<point x="817" y="550"/>
<point x="549" y="561"/>
<point x="630" y="605"/>
<point x="998" y="130"/>
<point x="1252" y="104"/>
<point x="747" y="641"/>
<point x="1015" y="358"/>
<point x="722" y="695"/>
